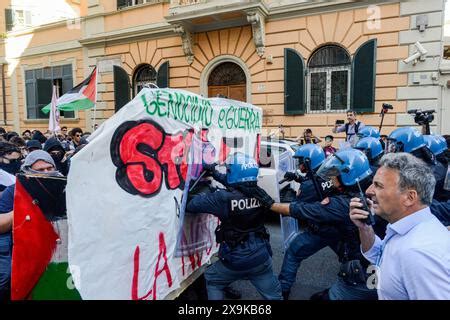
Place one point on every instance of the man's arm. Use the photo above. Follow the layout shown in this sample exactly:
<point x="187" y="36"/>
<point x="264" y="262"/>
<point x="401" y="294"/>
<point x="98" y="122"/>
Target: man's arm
<point x="213" y="203"/>
<point x="370" y="243"/>
<point x="281" y="208"/>
<point x="6" y="221"/>
<point x="338" y="129"/>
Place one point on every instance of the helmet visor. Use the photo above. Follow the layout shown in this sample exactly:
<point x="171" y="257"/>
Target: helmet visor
<point x="330" y="168"/>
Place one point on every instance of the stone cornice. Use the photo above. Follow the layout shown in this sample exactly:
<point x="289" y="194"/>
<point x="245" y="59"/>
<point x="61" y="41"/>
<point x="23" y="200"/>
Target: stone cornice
<point x="310" y="8"/>
<point x="125" y="35"/>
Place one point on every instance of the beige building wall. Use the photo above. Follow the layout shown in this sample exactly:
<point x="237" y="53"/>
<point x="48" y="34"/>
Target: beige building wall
<point x="266" y="82"/>
<point x="33" y="47"/>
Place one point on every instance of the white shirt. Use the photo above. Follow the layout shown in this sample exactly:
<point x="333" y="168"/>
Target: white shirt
<point x="414" y="259"/>
<point x="6" y="179"/>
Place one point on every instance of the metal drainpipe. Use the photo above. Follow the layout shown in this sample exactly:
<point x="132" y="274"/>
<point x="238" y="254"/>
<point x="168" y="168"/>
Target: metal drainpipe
<point x="4" y="94"/>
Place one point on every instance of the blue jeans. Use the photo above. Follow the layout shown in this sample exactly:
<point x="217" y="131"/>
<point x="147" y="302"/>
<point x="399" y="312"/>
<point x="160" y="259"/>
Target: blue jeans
<point x="262" y="277"/>
<point x="303" y="246"/>
<point x="340" y="290"/>
<point x="5" y="266"/>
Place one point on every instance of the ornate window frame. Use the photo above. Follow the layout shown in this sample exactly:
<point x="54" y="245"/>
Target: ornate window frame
<point x="214" y="63"/>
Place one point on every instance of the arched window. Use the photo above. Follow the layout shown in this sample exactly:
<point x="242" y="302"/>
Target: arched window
<point x="143" y="76"/>
<point x="329" y="70"/>
<point x="229" y="80"/>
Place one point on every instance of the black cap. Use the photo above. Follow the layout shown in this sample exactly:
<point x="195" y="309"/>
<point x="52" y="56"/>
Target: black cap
<point x="34" y="144"/>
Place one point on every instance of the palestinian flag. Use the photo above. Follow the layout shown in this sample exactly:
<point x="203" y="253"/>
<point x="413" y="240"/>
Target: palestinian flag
<point x="81" y="97"/>
<point x="40" y="269"/>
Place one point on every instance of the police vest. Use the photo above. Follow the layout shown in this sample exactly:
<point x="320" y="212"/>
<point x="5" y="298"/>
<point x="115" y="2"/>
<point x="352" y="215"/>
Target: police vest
<point x="246" y="215"/>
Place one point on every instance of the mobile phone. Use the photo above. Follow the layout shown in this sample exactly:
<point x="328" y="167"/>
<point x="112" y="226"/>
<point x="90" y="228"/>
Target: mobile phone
<point x="340" y="121"/>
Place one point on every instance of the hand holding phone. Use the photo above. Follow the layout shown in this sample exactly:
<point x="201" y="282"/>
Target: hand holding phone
<point x="339" y="122"/>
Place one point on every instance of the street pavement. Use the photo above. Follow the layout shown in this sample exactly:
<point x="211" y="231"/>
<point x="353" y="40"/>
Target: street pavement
<point x="316" y="273"/>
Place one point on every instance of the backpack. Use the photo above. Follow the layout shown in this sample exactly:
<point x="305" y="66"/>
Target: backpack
<point x="356" y="129"/>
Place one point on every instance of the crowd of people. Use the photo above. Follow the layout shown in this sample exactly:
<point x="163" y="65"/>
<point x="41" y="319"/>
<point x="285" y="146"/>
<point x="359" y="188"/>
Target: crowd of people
<point x="33" y="152"/>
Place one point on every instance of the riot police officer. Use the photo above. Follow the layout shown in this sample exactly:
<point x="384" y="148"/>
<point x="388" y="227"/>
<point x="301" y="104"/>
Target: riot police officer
<point x="244" y="251"/>
<point x="437" y="146"/>
<point x="310" y="157"/>
<point x="347" y="168"/>
<point x="373" y="150"/>
<point x="315" y="236"/>
<point x="410" y="140"/>
<point x="368" y="131"/>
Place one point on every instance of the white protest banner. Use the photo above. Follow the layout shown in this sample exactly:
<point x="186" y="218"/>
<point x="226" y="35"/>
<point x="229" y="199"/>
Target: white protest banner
<point x="124" y="191"/>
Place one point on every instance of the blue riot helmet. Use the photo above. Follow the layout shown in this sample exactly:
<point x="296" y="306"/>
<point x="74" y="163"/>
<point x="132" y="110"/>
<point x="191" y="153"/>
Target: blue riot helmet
<point x="371" y="147"/>
<point x="311" y="153"/>
<point x="442" y="142"/>
<point x="241" y="168"/>
<point x="368" y="131"/>
<point x="405" y="139"/>
<point x="350" y="165"/>
<point x="433" y="143"/>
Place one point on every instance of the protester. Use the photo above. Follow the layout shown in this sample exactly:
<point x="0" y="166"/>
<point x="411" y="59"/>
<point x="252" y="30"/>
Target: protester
<point x="328" y="148"/>
<point x="307" y="137"/>
<point x="33" y="145"/>
<point x="57" y="152"/>
<point x="75" y="134"/>
<point x="26" y="135"/>
<point x="413" y="258"/>
<point x="37" y="135"/>
<point x="37" y="162"/>
<point x="351" y="128"/>
<point x="10" y="158"/>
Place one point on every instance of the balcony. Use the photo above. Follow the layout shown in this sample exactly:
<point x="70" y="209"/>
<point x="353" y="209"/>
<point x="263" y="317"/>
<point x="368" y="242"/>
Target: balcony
<point x="206" y="15"/>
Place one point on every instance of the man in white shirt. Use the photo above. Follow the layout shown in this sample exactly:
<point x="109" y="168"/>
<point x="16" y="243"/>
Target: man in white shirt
<point x="414" y="256"/>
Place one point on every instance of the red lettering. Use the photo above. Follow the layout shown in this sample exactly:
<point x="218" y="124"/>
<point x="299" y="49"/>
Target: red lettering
<point x="144" y="153"/>
<point x="158" y="271"/>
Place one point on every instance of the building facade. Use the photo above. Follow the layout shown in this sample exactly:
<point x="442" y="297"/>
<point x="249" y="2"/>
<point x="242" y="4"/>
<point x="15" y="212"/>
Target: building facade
<point x="303" y="62"/>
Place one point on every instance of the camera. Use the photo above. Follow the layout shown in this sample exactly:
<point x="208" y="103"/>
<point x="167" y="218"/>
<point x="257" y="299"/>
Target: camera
<point x="387" y="106"/>
<point x="422" y="117"/>
<point x="419" y="55"/>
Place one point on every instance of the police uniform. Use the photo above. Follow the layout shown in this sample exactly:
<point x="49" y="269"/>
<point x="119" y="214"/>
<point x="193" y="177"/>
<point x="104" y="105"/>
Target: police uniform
<point x="244" y="251"/>
<point x="344" y="241"/>
<point x="441" y="210"/>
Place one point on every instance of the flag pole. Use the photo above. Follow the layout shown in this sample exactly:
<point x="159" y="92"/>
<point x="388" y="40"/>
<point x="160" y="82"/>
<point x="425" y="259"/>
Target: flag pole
<point x="95" y="103"/>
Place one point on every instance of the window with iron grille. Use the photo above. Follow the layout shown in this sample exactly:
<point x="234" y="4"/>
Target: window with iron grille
<point x="129" y="3"/>
<point x="328" y="79"/>
<point x="144" y="76"/>
<point x="39" y="85"/>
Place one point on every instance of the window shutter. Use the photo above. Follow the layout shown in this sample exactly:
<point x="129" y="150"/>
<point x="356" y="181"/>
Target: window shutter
<point x="121" y="88"/>
<point x="9" y="19"/>
<point x="30" y="87"/>
<point x="294" y="82"/>
<point x="44" y="95"/>
<point x="162" y="79"/>
<point x="363" y="77"/>
<point x="67" y="84"/>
